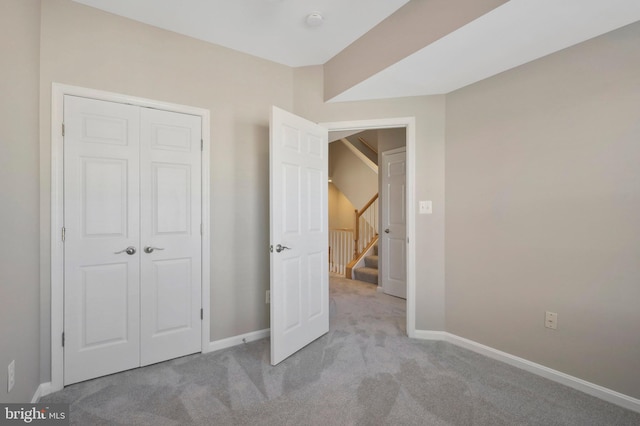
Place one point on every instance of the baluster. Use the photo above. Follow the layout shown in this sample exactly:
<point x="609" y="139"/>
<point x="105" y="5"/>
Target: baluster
<point x="341" y="254"/>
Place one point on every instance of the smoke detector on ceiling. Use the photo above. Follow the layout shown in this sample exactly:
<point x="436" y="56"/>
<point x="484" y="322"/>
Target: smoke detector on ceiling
<point x="314" y="19"/>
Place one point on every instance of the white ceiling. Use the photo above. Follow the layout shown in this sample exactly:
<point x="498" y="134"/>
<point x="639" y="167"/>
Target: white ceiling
<point x="271" y="29"/>
<point x="513" y="34"/>
<point x="517" y="32"/>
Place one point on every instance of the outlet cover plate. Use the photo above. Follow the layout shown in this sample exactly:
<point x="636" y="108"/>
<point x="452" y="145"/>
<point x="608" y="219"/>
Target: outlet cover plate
<point x="551" y="320"/>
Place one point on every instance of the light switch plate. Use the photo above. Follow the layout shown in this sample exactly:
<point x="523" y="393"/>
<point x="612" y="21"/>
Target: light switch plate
<point x="426" y="207"/>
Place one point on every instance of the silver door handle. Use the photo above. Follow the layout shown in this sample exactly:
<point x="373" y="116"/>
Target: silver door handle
<point x="149" y="249"/>
<point x="386" y="231"/>
<point x="131" y="250"/>
<point x="280" y="248"/>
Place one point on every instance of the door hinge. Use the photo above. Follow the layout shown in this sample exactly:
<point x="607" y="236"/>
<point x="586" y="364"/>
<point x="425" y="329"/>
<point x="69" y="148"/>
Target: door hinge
<point x="201" y="144"/>
<point x="63" y="339"/>
<point x="64" y="233"/>
<point x="201" y="313"/>
<point x="62" y="129"/>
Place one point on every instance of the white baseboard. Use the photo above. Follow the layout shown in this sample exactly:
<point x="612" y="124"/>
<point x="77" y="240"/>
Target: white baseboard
<point x="43" y="390"/>
<point x="549" y="373"/>
<point x="238" y="340"/>
<point x="430" y="335"/>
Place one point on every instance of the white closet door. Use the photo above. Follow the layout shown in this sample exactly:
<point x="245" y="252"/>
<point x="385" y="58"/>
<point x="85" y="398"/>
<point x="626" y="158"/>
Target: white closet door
<point x="132" y="182"/>
<point x="102" y="300"/>
<point x="170" y="235"/>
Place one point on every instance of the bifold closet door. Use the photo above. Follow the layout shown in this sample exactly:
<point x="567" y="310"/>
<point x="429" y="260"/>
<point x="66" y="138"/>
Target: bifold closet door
<point x="170" y="231"/>
<point x="101" y="216"/>
<point x="132" y="184"/>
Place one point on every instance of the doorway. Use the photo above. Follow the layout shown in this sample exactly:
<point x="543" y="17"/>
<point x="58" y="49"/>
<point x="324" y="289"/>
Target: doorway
<point x="408" y="123"/>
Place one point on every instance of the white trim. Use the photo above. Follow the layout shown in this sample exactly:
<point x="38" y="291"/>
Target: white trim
<point x="430" y="335"/>
<point x="360" y="155"/>
<point x="44" y="389"/>
<point x="409" y="123"/>
<point x="238" y="340"/>
<point x="394" y="151"/>
<point x="538" y="369"/>
<point x="58" y="91"/>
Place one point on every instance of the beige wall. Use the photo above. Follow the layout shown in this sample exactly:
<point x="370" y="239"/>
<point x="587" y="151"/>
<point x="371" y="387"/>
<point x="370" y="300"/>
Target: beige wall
<point x="85" y="47"/>
<point x="357" y="181"/>
<point x="19" y="261"/>
<point x="541" y="175"/>
<point x="390" y="139"/>
<point x="341" y="211"/>
<point x="543" y="201"/>
<point x="429" y="114"/>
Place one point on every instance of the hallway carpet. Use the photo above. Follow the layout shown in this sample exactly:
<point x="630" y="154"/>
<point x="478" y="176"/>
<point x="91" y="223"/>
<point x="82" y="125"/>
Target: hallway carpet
<point x="365" y="371"/>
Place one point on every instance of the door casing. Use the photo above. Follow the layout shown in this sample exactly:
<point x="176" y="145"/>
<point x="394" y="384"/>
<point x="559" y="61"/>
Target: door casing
<point x="409" y="124"/>
<point x="57" y="212"/>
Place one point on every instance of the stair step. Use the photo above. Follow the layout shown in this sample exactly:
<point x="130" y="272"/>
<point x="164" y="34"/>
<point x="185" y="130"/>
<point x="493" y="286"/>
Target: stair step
<point x="366" y="274"/>
<point x="371" y="261"/>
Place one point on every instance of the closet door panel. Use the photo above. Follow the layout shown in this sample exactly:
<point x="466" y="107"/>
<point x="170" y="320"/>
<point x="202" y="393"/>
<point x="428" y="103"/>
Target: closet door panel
<point x="170" y="235"/>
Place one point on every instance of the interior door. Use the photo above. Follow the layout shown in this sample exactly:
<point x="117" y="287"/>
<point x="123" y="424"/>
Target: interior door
<point x="170" y="163"/>
<point x="299" y="236"/>
<point x="394" y="235"/>
<point x="132" y="207"/>
<point x="102" y="257"/>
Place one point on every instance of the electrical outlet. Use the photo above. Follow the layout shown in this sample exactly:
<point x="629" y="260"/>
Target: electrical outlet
<point x="551" y="320"/>
<point x="267" y="297"/>
<point x="11" y="375"/>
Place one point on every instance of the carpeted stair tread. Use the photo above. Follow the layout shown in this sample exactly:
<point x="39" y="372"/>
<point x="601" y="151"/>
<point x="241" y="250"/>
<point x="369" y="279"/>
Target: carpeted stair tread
<point x="371" y="261"/>
<point x="366" y="274"/>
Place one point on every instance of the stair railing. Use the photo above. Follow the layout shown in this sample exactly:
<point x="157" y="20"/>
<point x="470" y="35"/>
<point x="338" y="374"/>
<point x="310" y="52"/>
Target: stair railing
<point x="340" y="249"/>
<point x="366" y="226"/>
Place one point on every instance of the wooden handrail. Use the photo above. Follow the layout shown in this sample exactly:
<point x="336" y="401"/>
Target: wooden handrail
<point x="359" y="213"/>
<point x="342" y="229"/>
<point x="366" y="206"/>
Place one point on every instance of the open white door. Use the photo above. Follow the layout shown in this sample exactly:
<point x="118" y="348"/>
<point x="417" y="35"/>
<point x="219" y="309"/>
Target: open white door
<point x="298" y="163"/>
<point x="394" y="223"/>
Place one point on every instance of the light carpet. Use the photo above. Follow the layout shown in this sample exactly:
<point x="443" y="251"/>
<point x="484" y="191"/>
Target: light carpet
<point x="365" y="371"/>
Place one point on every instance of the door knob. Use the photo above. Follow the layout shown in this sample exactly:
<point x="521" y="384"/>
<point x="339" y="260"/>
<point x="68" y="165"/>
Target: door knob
<point x="131" y="250"/>
<point x="386" y="231"/>
<point x="149" y="249"/>
<point x="280" y="248"/>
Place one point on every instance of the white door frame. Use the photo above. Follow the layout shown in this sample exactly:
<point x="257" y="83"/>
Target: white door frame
<point x="409" y="123"/>
<point x="58" y="92"/>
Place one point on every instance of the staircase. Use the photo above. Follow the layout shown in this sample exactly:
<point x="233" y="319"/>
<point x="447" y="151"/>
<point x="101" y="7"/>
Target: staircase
<point x="369" y="272"/>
